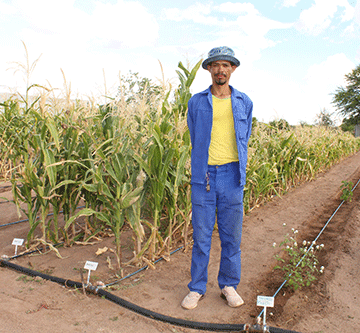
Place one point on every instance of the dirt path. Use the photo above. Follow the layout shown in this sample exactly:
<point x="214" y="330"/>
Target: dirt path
<point x="330" y="305"/>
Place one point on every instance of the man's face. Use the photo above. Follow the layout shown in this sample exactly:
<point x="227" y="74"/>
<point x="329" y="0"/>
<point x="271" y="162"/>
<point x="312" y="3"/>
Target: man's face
<point x="221" y="71"/>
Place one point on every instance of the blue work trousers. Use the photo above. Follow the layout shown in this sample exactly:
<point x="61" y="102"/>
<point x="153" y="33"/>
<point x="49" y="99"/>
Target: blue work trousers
<point x="224" y="200"/>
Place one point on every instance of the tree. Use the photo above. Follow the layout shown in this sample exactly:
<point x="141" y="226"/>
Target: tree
<point x="347" y="125"/>
<point x="347" y="99"/>
<point x="324" y="119"/>
<point x="134" y="88"/>
<point x="280" y="124"/>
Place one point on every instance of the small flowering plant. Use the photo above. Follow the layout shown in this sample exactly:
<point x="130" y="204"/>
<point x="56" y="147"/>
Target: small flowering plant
<point x="299" y="261"/>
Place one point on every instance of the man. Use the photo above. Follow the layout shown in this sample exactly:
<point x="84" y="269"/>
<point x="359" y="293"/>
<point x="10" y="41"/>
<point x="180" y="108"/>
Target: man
<point x="219" y="120"/>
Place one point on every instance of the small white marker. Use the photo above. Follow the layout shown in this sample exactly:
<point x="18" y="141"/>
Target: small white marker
<point x="265" y="301"/>
<point x="17" y="242"/>
<point x="91" y="266"/>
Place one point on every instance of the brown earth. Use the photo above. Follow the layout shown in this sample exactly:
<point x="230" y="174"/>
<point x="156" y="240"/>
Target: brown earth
<point x="330" y="305"/>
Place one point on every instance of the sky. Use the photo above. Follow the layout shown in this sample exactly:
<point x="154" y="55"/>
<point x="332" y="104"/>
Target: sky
<point x="293" y="54"/>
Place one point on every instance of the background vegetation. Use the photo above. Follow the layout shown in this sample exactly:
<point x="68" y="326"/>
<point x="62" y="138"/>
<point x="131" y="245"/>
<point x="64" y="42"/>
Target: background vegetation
<point x="127" y="163"/>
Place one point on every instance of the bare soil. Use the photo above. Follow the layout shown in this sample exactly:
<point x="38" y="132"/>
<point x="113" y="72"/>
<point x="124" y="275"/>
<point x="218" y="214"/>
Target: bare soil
<point x="329" y="305"/>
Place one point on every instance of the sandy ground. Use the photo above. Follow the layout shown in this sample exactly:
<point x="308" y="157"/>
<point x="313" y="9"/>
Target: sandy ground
<point x="330" y="305"/>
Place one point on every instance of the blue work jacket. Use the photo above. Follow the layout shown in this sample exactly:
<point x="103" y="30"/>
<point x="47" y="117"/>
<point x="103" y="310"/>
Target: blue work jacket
<point x="200" y="119"/>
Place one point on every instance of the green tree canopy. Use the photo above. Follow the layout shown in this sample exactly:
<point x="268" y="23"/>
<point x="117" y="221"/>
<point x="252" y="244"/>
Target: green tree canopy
<point x="134" y="87"/>
<point x="324" y="118"/>
<point x="347" y="99"/>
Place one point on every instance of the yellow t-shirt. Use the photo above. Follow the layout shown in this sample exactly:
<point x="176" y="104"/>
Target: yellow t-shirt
<point x="223" y="147"/>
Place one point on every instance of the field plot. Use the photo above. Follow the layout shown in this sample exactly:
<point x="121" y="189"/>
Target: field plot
<point x="329" y="305"/>
<point x="110" y="184"/>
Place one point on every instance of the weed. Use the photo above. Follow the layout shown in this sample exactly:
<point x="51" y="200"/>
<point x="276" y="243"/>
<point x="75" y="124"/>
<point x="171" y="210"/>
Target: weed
<point x="298" y="262"/>
<point x="25" y="278"/>
<point x="346" y="188"/>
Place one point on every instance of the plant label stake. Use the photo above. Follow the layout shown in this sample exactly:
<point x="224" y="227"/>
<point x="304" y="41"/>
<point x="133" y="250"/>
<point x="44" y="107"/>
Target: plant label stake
<point x="265" y="301"/>
<point x="91" y="266"/>
<point x="17" y="242"/>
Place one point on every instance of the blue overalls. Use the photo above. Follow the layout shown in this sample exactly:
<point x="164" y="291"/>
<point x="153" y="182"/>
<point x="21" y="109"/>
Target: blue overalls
<point x="217" y="190"/>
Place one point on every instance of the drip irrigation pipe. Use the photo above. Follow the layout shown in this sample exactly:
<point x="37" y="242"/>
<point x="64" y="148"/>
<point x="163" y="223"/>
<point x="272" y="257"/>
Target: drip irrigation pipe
<point x="312" y="244"/>
<point x="7" y="201"/>
<point x="141" y="269"/>
<point x="135" y="308"/>
<point x="32" y="251"/>
<point x="21" y="221"/>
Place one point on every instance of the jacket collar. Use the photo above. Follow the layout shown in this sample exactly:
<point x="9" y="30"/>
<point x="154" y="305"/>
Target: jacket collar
<point x="234" y="93"/>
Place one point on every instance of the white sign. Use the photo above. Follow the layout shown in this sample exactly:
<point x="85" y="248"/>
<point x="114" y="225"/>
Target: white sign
<point x="91" y="265"/>
<point x="265" y="301"/>
<point x="18" y="241"/>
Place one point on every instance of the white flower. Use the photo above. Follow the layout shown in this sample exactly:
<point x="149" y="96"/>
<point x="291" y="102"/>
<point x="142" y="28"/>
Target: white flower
<point x="284" y="224"/>
<point x="292" y="229"/>
<point x="295" y="244"/>
<point x="274" y="244"/>
<point x="304" y="242"/>
<point x="317" y="247"/>
<point x="287" y="246"/>
<point x="321" y="245"/>
<point x="296" y="231"/>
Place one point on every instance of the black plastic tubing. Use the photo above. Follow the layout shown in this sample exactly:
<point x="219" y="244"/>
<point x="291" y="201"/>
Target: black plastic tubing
<point x="214" y="327"/>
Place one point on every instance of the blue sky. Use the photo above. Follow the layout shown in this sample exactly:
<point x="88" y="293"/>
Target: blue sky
<point x="293" y="53"/>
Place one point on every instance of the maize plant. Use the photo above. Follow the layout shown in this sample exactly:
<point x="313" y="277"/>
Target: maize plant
<point x="127" y="163"/>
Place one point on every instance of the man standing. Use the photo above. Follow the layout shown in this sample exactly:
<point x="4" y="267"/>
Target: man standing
<point x="219" y="120"/>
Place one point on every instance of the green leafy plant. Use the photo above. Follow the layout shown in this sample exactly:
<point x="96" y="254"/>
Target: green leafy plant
<point x="299" y="262"/>
<point x="346" y="188"/>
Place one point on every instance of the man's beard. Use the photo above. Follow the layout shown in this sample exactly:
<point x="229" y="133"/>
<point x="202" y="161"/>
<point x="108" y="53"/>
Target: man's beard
<point x="220" y="83"/>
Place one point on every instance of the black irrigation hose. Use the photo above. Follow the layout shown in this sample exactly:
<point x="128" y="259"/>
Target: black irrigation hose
<point x="32" y="251"/>
<point x="11" y="223"/>
<point x="138" y="309"/>
<point x="7" y="201"/>
<point x="21" y="221"/>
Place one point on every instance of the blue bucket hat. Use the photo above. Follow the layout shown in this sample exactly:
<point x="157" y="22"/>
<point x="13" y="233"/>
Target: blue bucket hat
<point x="221" y="53"/>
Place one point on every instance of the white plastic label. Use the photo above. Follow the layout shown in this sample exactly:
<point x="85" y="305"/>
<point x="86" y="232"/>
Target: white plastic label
<point x="18" y="241"/>
<point x="265" y="301"/>
<point x="91" y="265"/>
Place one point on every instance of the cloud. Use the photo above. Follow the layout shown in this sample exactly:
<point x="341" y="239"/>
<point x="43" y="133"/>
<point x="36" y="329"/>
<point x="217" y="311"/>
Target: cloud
<point x="198" y="13"/>
<point x="290" y="3"/>
<point x="126" y="22"/>
<point x="80" y="41"/>
<point x="357" y="13"/>
<point x="119" y="24"/>
<point x="281" y="95"/>
<point x="319" y="16"/>
<point x="322" y="80"/>
<point x="240" y="25"/>
<point x="242" y="16"/>
<point x="330" y="72"/>
<point x="237" y="8"/>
